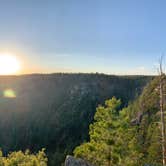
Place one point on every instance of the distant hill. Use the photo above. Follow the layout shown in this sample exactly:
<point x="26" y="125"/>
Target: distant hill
<point x="54" y="111"/>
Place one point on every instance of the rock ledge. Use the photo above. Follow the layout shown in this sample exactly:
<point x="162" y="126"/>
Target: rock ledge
<point x="71" y="161"/>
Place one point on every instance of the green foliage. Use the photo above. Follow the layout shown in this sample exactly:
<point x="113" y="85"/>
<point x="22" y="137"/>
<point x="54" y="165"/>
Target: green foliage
<point x="24" y="159"/>
<point x="101" y="149"/>
<point x="112" y="139"/>
<point x="54" y="110"/>
<point x="130" y="137"/>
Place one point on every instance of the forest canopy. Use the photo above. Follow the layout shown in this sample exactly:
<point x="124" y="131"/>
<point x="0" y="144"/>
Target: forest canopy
<point x="54" y="110"/>
<point x="23" y="159"/>
<point x="129" y="136"/>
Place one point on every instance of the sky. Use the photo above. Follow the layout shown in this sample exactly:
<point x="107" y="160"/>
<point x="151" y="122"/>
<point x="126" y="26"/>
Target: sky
<point x="105" y="36"/>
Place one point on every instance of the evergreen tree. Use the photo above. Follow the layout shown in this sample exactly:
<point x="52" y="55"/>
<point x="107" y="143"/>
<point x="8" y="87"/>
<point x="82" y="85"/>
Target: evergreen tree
<point x="104" y="147"/>
<point x="24" y="159"/>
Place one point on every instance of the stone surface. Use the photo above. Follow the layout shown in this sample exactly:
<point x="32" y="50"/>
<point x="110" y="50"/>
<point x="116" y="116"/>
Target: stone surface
<point x="71" y="161"/>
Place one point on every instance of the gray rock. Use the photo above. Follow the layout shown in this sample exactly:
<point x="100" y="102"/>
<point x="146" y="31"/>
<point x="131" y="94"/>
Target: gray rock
<point x="71" y="161"/>
<point x="138" y="119"/>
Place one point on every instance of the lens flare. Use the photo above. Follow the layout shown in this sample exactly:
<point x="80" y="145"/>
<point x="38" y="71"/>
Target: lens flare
<point x="9" y="93"/>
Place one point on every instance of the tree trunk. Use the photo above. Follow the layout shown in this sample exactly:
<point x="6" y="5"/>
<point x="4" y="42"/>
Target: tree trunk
<point x="162" y="117"/>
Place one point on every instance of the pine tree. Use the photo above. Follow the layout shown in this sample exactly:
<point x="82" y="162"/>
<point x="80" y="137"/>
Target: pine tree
<point x="101" y="149"/>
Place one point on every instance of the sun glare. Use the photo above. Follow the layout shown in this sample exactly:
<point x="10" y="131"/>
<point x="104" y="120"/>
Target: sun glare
<point x="9" y="64"/>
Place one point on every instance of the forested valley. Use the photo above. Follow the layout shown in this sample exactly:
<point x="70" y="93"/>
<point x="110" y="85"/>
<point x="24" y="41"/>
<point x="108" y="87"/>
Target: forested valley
<point x="131" y="136"/>
<point x="54" y="111"/>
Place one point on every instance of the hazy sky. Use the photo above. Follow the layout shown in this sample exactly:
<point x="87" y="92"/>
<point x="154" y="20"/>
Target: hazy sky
<point x="106" y="36"/>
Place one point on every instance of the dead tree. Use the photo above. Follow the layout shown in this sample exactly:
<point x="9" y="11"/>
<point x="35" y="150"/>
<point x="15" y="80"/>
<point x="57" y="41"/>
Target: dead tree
<point x="162" y="115"/>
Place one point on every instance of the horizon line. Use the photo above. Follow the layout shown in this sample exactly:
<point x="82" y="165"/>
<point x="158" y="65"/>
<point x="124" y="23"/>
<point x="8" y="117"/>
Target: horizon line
<point x="93" y="73"/>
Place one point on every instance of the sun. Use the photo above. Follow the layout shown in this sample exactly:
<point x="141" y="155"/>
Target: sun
<point x="9" y="64"/>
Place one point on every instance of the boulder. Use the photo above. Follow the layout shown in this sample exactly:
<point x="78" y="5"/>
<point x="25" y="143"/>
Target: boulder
<point x="72" y="161"/>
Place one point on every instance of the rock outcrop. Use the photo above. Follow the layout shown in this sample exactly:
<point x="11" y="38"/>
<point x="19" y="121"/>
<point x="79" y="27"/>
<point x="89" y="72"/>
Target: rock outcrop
<point x="71" y="161"/>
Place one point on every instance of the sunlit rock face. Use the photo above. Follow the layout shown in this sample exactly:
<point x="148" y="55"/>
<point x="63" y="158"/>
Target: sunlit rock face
<point x="71" y="161"/>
